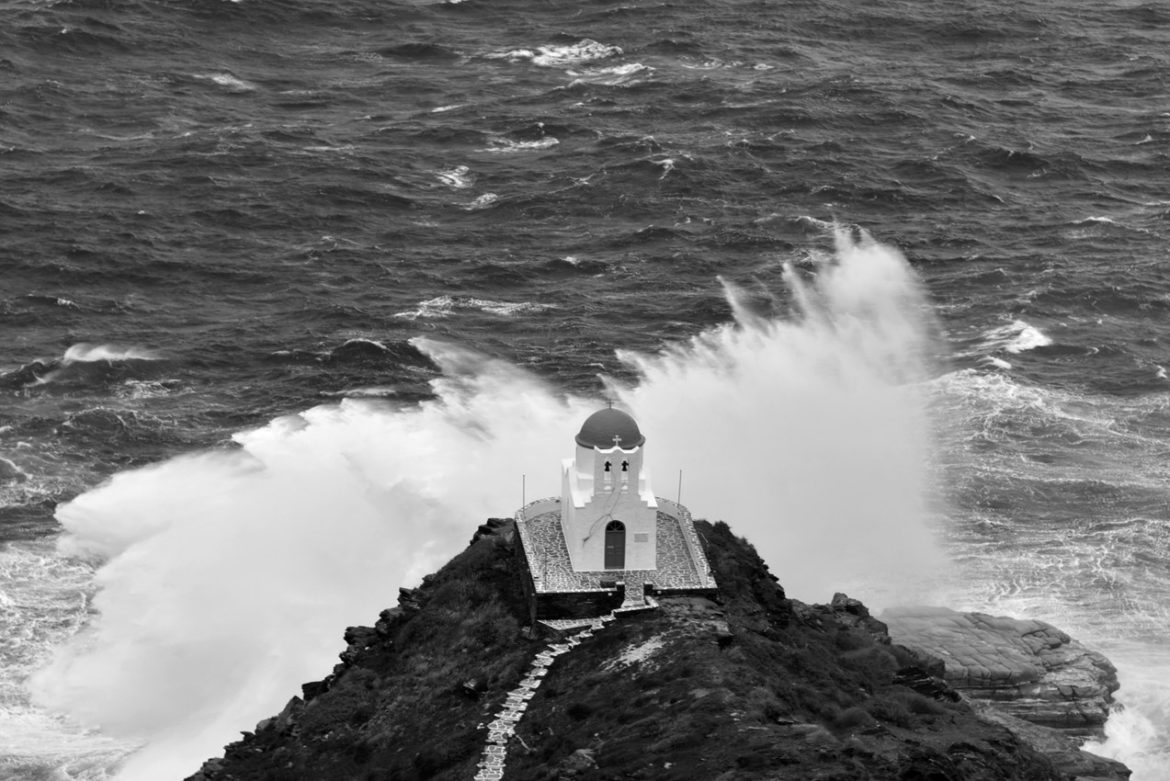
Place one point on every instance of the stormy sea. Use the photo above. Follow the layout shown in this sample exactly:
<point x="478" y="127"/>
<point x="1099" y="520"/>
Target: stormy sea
<point x="294" y="294"/>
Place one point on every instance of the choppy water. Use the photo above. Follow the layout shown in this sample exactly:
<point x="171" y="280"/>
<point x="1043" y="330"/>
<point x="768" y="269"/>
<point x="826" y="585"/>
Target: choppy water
<point x="300" y="220"/>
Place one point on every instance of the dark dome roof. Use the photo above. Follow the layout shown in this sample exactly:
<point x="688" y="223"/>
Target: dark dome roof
<point x="601" y="427"/>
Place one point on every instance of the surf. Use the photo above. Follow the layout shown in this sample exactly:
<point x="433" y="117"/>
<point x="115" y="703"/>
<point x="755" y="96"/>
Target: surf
<point x="224" y="578"/>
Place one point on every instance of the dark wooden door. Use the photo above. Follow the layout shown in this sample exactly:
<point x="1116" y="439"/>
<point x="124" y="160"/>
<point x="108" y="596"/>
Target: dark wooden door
<point x="615" y="545"/>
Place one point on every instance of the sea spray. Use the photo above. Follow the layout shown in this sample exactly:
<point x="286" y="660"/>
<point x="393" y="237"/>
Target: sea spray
<point x="808" y="435"/>
<point x="230" y="575"/>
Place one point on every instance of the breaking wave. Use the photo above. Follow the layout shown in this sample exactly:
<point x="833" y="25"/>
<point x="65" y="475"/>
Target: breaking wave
<point x="226" y="577"/>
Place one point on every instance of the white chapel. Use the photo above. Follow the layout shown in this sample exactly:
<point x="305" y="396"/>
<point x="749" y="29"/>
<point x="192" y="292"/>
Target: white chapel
<point x="608" y="511"/>
<point x="607" y="543"/>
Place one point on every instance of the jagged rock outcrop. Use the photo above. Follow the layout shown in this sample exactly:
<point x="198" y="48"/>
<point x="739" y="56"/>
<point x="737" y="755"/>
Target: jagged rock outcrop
<point x="1028" y="668"/>
<point x="1026" y="675"/>
<point x="749" y="685"/>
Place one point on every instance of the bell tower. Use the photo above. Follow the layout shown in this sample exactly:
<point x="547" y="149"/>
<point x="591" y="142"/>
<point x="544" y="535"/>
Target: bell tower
<point x="609" y="515"/>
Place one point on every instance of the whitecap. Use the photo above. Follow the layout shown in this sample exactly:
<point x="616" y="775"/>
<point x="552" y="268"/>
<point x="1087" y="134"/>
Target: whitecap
<point x="372" y="392"/>
<point x="508" y="146"/>
<point x="443" y="109"/>
<point x="457" y="177"/>
<point x="227" y="81"/>
<point x="342" y="148"/>
<point x="584" y="50"/>
<point x="147" y="389"/>
<point x="83" y="352"/>
<point x="998" y="363"/>
<point x="1016" y="337"/>
<point x="609" y="77"/>
<point x="482" y="202"/>
<point x="444" y="306"/>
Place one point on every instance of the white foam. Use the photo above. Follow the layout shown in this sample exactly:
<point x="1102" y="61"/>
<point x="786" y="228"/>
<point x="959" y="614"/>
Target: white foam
<point x="482" y="202"/>
<point x="83" y="352"/>
<point x="44" y="602"/>
<point x="458" y="177"/>
<point x="227" y="81"/>
<point x="445" y="306"/>
<point x="998" y="363"/>
<point x="229" y="575"/>
<point x="610" y="77"/>
<point x="585" y="50"/>
<point x="1015" y="337"/>
<point x="1136" y="733"/>
<point x="508" y="146"/>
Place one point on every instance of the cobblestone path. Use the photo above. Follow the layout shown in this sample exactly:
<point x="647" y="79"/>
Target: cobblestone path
<point x="503" y="727"/>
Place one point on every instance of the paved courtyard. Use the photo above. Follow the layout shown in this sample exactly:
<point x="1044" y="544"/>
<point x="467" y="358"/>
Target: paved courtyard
<point x="681" y="562"/>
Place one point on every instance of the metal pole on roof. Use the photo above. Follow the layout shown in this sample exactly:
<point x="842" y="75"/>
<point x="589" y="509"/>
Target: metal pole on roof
<point x="679" y="502"/>
<point x="523" y="490"/>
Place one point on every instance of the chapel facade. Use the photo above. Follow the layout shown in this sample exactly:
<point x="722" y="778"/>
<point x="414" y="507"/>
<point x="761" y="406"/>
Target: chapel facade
<point x="609" y="514"/>
<point x="607" y="543"/>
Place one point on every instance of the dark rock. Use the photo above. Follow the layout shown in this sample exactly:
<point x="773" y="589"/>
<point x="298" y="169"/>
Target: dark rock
<point x="314" y="689"/>
<point x="489" y="528"/>
<point x="210" y="770"/>
<point x="1030" y="669"/>
<point x="408" y="600"/>
<point x="723" y="634"/>
<point x="1064" y="749"/>
<point x="786" y="691"/>
<point x="580" y="761"/>
<point x="472" y="688"/>
<point x="853" y="613"/>
<point x="359" y="638"/>
<point x="389" y="620"/>
<point x="926" y="684"/>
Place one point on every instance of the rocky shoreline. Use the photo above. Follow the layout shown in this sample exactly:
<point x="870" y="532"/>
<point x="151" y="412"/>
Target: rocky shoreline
<point x="744" y="685"/>
<point x="1029" y="676"/>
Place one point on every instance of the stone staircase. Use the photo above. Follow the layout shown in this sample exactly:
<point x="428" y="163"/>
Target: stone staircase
<point x="503" y="727"/>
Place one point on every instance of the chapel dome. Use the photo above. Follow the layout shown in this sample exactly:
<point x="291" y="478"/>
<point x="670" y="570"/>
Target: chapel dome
<point x="601" y="428"/>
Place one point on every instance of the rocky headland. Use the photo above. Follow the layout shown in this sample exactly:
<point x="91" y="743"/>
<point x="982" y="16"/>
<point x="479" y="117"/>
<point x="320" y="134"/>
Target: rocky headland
<point x="456" y="683"/>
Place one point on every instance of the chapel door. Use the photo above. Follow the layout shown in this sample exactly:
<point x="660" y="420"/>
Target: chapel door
<point x="615" y="545"/>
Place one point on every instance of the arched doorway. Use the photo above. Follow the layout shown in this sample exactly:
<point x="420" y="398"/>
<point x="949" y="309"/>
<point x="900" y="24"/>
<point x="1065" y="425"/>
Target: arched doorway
<point x="615" y="545"/>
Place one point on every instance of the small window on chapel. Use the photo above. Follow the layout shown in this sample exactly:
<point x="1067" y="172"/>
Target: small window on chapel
<point x="608" y="465"/>
<point x="625" y="466"/>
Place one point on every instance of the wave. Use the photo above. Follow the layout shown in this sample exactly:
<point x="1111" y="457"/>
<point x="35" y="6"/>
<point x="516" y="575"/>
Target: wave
<point x="83" y="352"/>
<point x="458" y="177"/>
<point x="617" y="75"/>
<point x="508" y="146"/>
<point x="228" y="82"/>
<point x="445" y="306"/>
<point x="82" y="364"/>
<point x="212" y="561"/>
<point x="585" y="50"/>
<point x="1016" y="337"/>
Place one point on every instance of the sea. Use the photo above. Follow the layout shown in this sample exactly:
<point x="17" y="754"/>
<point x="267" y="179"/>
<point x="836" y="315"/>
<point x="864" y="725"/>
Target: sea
<point x="294" y="295"/>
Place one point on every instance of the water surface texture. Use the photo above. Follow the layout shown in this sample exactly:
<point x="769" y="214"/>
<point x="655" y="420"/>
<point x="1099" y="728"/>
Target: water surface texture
<point x="294" y="294"/>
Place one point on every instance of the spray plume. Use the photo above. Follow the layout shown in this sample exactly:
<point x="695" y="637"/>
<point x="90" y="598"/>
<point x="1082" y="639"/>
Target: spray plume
<point x="228" y="576"/>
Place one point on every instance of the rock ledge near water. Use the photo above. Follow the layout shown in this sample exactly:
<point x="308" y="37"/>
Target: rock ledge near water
<point x="1024" y="674"/>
